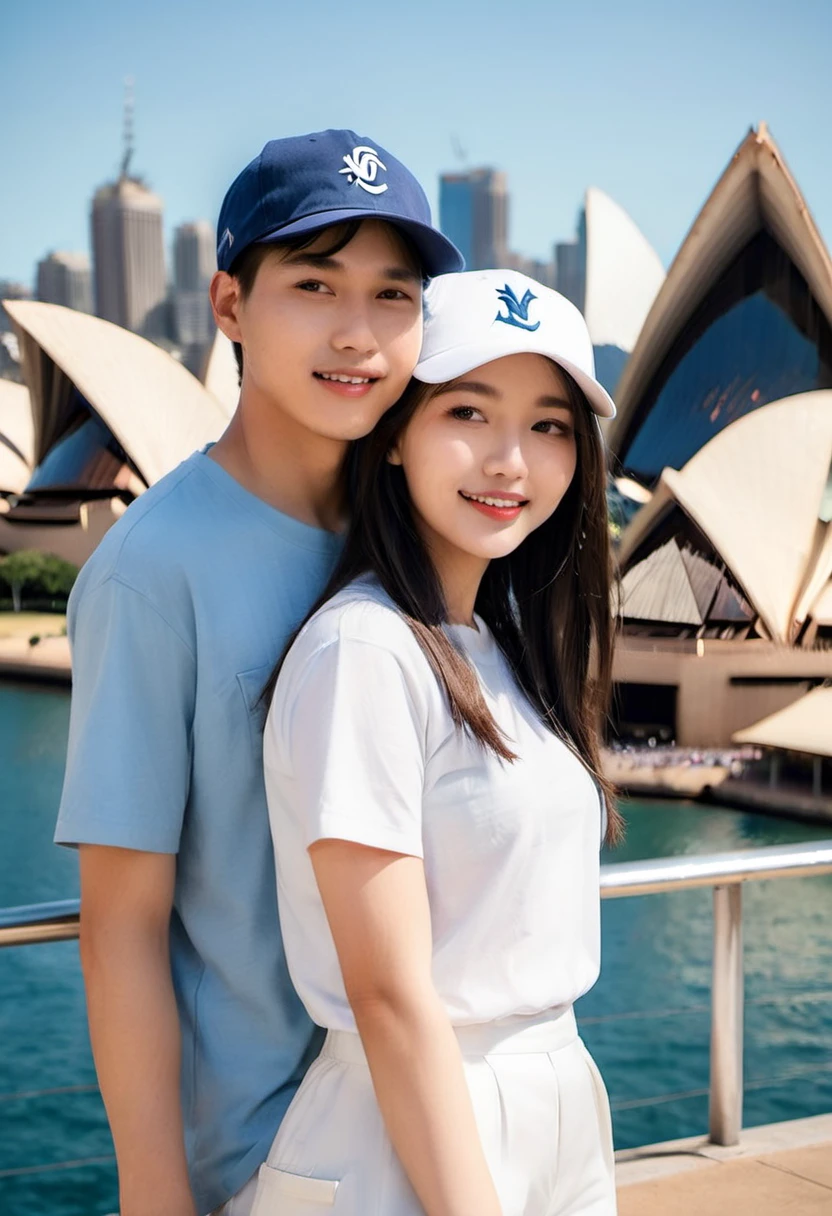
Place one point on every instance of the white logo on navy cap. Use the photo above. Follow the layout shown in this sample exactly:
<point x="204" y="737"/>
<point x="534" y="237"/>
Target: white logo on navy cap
<point x="362" y="166"/>
<point x="228" y="236"/>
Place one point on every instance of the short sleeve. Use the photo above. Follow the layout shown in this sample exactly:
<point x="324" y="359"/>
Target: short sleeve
<point x="128" y="766"/>
<point x="352" y="739"/>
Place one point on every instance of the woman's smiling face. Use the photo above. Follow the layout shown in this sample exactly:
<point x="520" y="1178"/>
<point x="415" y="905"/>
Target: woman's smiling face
<point x="488" y="458"/>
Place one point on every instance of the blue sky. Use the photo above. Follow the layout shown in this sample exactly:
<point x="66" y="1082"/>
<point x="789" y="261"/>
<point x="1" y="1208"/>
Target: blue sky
<point x="640" y="98"/>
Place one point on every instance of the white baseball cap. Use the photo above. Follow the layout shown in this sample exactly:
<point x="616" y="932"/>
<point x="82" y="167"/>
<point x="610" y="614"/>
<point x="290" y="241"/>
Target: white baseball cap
<point x="478" y="315"/>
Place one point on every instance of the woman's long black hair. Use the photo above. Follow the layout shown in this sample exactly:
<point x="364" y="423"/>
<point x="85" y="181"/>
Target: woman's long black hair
<point x="548" y="603"/>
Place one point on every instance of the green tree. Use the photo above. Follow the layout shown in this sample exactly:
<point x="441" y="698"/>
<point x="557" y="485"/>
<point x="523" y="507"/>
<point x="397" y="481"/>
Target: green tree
<point x="37" y="572"/>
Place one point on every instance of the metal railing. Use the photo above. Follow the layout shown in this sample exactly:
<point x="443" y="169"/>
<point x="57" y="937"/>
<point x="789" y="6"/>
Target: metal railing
<point x="33" y="923"/>
<point x="724" y="872"/>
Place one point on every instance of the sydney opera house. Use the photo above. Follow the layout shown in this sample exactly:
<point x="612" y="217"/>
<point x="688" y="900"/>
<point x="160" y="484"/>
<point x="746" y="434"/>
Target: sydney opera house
<point x="742" y="318"/>
<point x="103" y="415"/>
<point x="722" y="447"/>
<point x="724" y="433"/>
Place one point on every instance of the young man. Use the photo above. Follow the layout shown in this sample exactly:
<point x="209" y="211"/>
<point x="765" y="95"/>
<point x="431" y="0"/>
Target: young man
<point x="199" y="1038"/>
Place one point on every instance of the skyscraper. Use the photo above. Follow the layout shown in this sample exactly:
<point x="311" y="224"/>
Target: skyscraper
<point x="570" y="265"/>
<point x="194" y="257"/>
<point x="194" y="262"/>
<point x="473" y="212"/>
<point x="128" y="247"/>
<point x="129" y="257"/>
<point x="64" y="278"/>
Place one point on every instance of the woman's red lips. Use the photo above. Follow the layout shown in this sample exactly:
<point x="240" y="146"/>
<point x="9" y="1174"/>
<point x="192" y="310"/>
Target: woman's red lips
<point x="500" y="506"/>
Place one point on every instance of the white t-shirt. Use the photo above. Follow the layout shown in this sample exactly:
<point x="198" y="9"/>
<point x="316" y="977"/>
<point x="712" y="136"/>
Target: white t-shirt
<point x="360" y="745"/>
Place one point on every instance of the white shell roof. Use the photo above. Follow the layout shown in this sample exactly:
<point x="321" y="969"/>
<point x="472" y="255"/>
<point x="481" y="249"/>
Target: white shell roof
<point x="658" y="589"/>
<point x="155" y="408"/>
<point x="16" y="436"/>
<point x="14" y="472"/>
<point x="755" y="191"/>
<point x="755" y="491"/>
<point x="623" y="274"/>
<point x="804" y="726"/>
<point x="822" y="607"/>
<point x="16" y="425"/>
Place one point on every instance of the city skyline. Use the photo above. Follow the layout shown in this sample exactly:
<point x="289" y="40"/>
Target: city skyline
<point x="485" y="193"/>
<point x="644" y="109"/>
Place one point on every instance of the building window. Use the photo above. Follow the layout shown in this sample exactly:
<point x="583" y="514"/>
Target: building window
<point x="641" y="712"/>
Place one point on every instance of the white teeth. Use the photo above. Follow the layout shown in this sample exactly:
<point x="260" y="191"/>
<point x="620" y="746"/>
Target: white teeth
<point x="345" y="379"/>
<point x="493" y="502"/>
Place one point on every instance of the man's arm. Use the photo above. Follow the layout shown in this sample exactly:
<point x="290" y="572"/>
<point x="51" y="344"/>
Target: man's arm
<point x="125" y="790"/>
<point x="377" y="906"/>
<point x="126" y="901"/>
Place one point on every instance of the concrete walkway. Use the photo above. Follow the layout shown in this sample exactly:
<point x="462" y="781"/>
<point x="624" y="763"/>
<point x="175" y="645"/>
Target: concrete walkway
<point x="785" y="1168"/>
<point x="783" y="800"/>
<point x="48" y="660"/>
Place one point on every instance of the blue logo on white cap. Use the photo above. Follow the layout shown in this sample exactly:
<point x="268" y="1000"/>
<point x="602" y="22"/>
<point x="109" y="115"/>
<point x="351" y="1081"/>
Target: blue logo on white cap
<point x="362" y="166"/>
<point x="517" y="311"/>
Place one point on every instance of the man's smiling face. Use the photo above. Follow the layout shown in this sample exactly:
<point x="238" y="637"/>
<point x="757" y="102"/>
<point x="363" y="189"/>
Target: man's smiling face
<point x="331" y="340"/>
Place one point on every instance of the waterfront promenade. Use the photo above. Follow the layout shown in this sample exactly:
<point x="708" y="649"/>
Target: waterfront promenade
<point x="778" y="1169"/>
<point x="48" y="660"/>
<point x="710" y="778"/>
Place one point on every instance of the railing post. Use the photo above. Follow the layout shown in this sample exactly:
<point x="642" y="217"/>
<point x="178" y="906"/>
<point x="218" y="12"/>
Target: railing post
<point x="725" y="1113"/>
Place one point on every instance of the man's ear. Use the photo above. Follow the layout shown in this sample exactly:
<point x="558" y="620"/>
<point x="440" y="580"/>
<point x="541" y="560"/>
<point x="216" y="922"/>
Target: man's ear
<point x="225" y="302"/>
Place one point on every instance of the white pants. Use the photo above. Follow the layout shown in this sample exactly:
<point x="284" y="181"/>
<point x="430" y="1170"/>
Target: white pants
<point x="239" y="1204"/>
<point x="540" y="1105"/>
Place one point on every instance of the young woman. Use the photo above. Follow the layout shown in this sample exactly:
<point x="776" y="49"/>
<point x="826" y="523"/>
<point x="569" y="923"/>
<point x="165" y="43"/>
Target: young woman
<point x="436" y="804"/>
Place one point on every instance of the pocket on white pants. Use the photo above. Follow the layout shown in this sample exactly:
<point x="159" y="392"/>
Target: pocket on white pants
<point x="280" y="1193"/>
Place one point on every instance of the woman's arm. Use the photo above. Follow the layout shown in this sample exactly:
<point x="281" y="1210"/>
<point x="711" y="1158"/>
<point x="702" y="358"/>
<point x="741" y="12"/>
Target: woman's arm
<point x="377" y="906"/>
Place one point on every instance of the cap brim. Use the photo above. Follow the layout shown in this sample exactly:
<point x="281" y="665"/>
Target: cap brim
<point x="448" y="365"/>
<point x="438" y="254"/>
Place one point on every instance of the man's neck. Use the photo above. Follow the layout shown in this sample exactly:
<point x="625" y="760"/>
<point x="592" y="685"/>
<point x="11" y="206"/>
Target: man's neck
<point x="286" y="465"/>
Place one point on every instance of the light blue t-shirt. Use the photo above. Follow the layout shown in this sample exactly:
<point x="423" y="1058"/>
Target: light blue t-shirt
<point x="175" y="623"/>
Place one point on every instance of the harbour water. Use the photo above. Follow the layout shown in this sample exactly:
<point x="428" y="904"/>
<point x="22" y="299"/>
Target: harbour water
<point x="646" y="1021"/>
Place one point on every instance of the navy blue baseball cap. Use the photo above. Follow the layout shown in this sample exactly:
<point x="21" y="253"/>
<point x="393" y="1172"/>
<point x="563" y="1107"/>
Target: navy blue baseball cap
<point x="308" y="182"/>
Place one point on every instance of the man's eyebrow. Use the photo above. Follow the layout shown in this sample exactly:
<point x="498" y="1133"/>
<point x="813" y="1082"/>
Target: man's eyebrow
<point x="322" y="261"/>
<point x="469" y="386"/>
<point x="319" y="261"/>
<point x="401" y="274"/>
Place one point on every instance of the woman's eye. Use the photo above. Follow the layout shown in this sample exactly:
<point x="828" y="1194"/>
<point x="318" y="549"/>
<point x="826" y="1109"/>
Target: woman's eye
<point x="551" y="426"/>
<point x="463" y="412"/>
